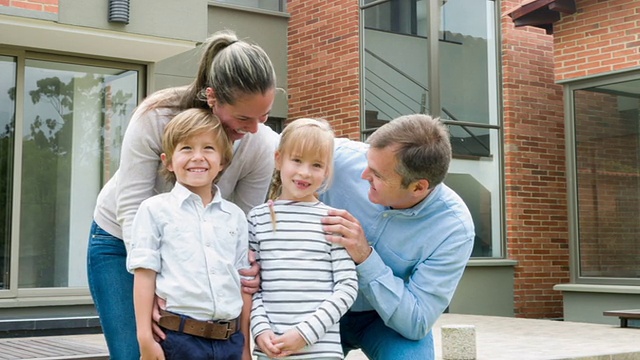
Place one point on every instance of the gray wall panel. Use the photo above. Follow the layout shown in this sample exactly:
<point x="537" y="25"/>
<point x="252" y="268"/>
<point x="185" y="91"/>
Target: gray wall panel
<point x="485" y="290"/>
<point x="183" y="20"/>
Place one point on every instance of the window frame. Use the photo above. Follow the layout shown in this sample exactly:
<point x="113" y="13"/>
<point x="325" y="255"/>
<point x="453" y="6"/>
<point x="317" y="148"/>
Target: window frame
<point x="14" y="296"/>
<point x="282" y="6"/>
<point x="569" y="87"/>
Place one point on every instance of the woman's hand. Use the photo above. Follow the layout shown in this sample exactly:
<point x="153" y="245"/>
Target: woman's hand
<point x="251" y="286"/>
<point x="160" y="303"/>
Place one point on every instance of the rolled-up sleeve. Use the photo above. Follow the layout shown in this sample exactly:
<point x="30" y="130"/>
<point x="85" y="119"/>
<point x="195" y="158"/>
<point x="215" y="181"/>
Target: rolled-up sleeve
<point x="144" y="251"/>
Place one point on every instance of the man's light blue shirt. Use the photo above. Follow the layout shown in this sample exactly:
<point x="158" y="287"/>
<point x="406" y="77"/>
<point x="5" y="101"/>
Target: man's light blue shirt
<point x="419" y="254"/>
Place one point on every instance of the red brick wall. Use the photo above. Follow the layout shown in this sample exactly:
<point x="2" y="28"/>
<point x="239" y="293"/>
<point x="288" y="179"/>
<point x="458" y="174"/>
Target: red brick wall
<point x="535" y="180"/>
<point x="50" y="6"/>
<point x="323" y="63"/>
<point x="602" y="36"/>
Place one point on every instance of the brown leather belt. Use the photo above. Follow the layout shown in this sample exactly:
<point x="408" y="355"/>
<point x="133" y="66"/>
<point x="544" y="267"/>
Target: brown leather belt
<point x="213" y="329"/>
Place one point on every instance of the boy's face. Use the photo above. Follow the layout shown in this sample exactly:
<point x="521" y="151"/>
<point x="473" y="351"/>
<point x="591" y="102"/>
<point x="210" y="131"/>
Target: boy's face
<point x="196" y="162"/>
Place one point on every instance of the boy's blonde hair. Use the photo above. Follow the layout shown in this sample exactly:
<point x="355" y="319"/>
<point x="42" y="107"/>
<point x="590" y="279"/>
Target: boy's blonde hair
<point x="192" y="122"/>
<point x="304" y="136"/>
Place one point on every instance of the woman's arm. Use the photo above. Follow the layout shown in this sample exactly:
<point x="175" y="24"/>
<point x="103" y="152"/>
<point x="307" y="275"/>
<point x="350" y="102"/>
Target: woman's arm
<point x="138" y="177"/>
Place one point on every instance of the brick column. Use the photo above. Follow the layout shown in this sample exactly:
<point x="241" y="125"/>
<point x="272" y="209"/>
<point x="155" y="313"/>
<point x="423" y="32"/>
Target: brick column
<point x="535" y="180"/>
<point x="323" y="63"/>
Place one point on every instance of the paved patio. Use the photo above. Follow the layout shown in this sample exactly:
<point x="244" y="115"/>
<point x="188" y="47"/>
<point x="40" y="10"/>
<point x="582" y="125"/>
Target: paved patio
<point x="497" y="338"/>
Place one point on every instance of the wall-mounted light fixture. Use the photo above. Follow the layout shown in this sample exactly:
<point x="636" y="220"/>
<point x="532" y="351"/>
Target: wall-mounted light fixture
<point x="119" y="11"/>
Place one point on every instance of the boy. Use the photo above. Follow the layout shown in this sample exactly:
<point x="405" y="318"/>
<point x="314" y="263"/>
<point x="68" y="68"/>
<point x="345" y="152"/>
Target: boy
<point x="187" y="246"/>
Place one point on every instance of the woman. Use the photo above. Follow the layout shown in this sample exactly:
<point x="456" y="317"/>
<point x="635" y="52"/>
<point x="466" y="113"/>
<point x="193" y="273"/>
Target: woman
<point x="236" y="80"/>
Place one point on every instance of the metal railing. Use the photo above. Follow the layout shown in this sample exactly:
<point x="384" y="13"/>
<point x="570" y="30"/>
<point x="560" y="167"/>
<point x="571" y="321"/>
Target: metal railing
<point x="384" y="96"/>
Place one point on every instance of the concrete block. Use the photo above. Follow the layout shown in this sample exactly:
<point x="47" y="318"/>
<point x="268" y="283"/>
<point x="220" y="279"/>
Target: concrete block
<point x="458" y="342"/>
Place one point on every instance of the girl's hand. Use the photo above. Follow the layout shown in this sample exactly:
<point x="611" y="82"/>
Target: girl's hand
<point x="290" y="342"/>
<point x="266" y="343"/>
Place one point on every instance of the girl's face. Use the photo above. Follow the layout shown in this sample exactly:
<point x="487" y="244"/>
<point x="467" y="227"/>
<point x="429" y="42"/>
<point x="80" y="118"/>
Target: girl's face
<point x="196" y="161"/>
<point x="245" y="115"/>
<point x="301" y="174"/>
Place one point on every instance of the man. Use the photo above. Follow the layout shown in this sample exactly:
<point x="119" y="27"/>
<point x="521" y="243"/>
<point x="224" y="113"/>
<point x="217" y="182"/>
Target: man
<point x="410" y="246"/>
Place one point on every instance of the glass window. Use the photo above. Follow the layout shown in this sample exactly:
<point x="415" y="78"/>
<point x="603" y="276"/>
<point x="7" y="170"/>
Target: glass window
<point x="469" y="88"/>
<point x="607" y="170"/>
<point x="397" y="82"/>
<point x="394" y="31"/>
<point x="468" y="61"/>
<point x="274" y="5"/>
<point x="7" y="126"/>
<point x="474" y="174"/>
<point x="74" y="118"/>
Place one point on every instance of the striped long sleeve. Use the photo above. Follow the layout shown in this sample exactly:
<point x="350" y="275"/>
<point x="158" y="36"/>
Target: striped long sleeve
<point x="307" y="282"/>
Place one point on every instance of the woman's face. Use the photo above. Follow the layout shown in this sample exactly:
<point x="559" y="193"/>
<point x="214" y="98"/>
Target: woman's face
<point x="245" y="115"/>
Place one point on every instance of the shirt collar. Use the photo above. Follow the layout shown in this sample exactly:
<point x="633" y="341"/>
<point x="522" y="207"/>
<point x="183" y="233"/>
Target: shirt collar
<point x="183" y="194"/>
<point x="417" y="208"/>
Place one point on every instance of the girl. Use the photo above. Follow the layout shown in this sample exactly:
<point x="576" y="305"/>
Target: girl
<point x="307" y="283"/>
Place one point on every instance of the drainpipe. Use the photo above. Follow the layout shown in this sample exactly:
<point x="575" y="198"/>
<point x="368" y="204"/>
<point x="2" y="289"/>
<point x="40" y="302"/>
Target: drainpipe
<point x="119" y="11"/>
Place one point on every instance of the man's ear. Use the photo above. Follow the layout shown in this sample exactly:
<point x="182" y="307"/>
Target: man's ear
<point x="421" y="187"/>
<point x="167" y="164"/>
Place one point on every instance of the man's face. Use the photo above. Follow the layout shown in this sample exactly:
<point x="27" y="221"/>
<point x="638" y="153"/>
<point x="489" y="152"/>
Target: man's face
<point x="385" y="183"/>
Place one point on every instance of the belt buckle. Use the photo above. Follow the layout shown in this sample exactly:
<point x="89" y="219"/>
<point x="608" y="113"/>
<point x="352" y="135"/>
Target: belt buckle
<point x="229" y="331"/>
<point x="220" y="329"/>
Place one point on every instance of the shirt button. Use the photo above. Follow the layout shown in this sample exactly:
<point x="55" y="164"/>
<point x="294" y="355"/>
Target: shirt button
<point x="385" y="215"/>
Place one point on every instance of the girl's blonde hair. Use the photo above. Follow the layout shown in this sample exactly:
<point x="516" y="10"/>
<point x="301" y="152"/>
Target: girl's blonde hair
<point x="304" y="136"/>
<point x="189" y="123"/>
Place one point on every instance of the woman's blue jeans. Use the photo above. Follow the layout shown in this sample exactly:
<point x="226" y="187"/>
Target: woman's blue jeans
<point x="111" y="287"/>
<point x="366" y="331"/>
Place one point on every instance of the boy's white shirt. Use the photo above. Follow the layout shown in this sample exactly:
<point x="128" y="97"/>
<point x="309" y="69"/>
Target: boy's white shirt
<point x="195" y="250"/>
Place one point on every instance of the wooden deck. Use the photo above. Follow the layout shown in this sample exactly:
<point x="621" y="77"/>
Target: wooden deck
<point x="51" y="348"/>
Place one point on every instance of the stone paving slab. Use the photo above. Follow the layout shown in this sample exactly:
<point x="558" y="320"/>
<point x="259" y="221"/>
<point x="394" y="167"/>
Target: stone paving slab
<point x="503" y="338"/>
<point x="497" y="338"/>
